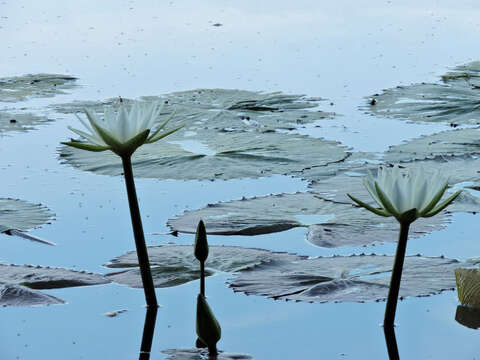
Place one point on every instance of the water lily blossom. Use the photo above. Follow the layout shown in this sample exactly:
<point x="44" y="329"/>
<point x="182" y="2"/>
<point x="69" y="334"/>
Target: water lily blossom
<point x="122" y="132"/>
<point x="407" y="195"/>
<point x="397" y="192"/>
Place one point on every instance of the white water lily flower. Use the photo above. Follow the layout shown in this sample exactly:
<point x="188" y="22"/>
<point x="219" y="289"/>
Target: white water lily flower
<point x="398" y="192"/>
<point x="121" y="131"/>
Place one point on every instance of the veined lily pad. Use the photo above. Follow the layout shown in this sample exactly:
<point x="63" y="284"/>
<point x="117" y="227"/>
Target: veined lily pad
<point x="456" y="100"/>
<point x="447" y="143"/>
<point x="214" y="156"/>
<point x="226" y="110"/>
<point x="330" y="224"/>
<point x="19" y="121"/>
<point x="201" y="354"/>
<point x="22" y="215"/>
<point x="21" y="88"/>
<point x="16" y="282"/>
<point x="174" y="265"/>
<point x="345" y="278"/>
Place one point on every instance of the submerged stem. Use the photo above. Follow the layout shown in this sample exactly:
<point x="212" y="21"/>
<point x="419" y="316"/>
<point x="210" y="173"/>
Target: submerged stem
<point x="142" y="253"/>
<point x="391" y="307"/>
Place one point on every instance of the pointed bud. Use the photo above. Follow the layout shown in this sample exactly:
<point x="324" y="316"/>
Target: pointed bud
<point x="201" y="244"/>
<point x="208" y="328"/>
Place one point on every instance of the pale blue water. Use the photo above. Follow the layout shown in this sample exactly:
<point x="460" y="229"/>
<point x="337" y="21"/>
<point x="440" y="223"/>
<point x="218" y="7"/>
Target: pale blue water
<point x="342" y="51"/>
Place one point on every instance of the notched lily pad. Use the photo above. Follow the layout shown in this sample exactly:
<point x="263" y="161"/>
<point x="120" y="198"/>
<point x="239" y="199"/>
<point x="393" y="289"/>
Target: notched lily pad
<point x="22" y="215"/>
<point x="17" y="282"/>
<point x="174" y="265"/>
<point x="455" y="100"/>
<point x="225" y="109"/>
<point x="212" y="155"/>
<point x="345" y="278"/>
<point x="329" y="224"/>
<point x="447" y="143"/>
<point x="20" y="121"/>
<point x="201" y="354"/>
<point x="19" y="88"/>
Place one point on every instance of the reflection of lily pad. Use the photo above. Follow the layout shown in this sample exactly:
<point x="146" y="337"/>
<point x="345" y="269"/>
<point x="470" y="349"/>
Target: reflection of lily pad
<point x="213" y="155"/>
<point x="16" y="280"/>
<point x="22" y="215"/>
<point x="345" y="278"/>
<point x="456" y="100"/>
<point x="20" y="88"/>
<point x="17" y="295"/>
<point x="330" y="224"/>
<point x="224" y="109"/>
<point x="201" y="354"/>
<point x="174" y="265"/>
<point x="19" y="121"/>
<point x="447" y="143"/>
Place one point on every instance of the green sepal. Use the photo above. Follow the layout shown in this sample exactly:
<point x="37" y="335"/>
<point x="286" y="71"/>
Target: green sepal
<point x="207" y="327"/>
<point x="201" y="244"/>
<point x="84" y="146"/>
<point x="107" y="137"/>
<point x="442" y="205"/>
<point x="387" y="204"/>
<point x="161" y="126"/>
<point x="162" y="135"/>
<point x="134" y="143"/>
<point x="409" y="216"/>
<point x="376" y="211"/>
<point x="434" y="201"/>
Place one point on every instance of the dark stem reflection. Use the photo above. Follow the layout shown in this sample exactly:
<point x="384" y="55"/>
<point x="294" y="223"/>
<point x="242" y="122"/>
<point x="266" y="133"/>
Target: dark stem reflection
<point x="148" y="330"/>
<point x="391" y="341"/>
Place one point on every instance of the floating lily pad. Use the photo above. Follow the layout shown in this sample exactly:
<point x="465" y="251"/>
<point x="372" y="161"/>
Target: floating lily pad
<point x="447" y="143"/>
<point x="330" y="224"/>
<point x="22" y="215"/>
<point x="20" y="121"/>
<point x="17" y="295"/>
<point x="224" y="109"/>
<point x="214" y="156"/>
<point x="16" y="282"/>
<point x="345" y="278"/>
<point x="455" y="100"/>
<point x="201" y="354"/>
<point x="21" y="88"/>
<point x="468" y="316"/>
<point x="174" y="265"/>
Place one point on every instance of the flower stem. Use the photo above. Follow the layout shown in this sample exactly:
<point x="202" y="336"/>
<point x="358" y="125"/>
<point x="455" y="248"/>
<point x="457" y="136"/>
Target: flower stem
<point x="391" y="343"/>
<point x="396" y="276"/>
<point x="148" y="330"/>
<point x="202" y="278"/>
<point x="142" y="253"/>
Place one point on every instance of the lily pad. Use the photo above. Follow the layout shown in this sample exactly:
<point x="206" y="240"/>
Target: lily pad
<point x="345" y="278"/>
<point x="17" y="282"/>
<point x="174" y="265"/>
<point x="22" y="215"/>
<point x="20" y="121"/>
<point x="21" y="88"/>
<point x="201" y="354"/>
<point x="447" y="143"/>
<point x="468" y="316"/>
<point x="17" y="295"/>
<point x="225" y="109"/>
<point x="213" y="155"/>
<point x="455" y="100"/>
<point x="329" y="224"/>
